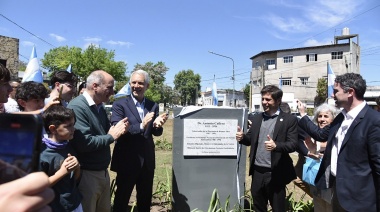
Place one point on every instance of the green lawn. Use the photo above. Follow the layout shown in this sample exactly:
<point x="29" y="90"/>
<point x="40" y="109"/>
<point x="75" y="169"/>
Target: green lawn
<point x="164" y="165"/>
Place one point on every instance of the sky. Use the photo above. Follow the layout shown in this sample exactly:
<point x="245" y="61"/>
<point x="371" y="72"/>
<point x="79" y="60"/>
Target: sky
<point x="181" y="33"/>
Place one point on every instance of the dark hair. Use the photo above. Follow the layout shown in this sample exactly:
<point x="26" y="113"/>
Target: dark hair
<point x="56" y="115"/>
<point x="285" y="107"/>
<point x="273" y="90"/>
<point x="63" y="76"/>
<point x="30" y="90"/>
<point x="5" y="74"/>
<point x="82" y="85"/>
<point x="354" y="81"/>
<point x="377" y="100"/>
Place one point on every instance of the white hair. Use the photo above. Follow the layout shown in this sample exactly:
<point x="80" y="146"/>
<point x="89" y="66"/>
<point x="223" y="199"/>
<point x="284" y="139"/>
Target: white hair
<point x="325" y="108"/>
<point x="95" y="77"/>
<point x="143" y="73"/>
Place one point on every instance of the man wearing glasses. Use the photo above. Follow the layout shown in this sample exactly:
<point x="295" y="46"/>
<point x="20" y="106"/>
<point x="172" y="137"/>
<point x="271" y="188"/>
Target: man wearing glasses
<point x="63" y="85"/>
<point x="11" y="106"/>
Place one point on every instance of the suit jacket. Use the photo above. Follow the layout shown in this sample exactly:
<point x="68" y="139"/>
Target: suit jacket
<point x="136" y="144"/>
<point x="285" y="136"/>
<point x="358" y="166"/>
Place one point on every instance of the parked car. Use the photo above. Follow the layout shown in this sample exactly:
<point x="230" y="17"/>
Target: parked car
<point x="108" y="109"/>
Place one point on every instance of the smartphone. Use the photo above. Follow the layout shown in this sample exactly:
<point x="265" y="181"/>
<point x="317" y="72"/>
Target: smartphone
<point x="20" y="143"/>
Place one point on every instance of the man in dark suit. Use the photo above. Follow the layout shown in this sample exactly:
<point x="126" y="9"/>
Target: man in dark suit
<point x="351" y="163"/>
<point x="133" y="156"/>
<point x="272" y="137"/>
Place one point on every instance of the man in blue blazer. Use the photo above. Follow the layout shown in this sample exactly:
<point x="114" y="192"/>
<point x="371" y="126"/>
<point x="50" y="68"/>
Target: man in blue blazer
<point x="351" y="162"/>
<point x="134" y="154"/>
<point x="272" y="136"/>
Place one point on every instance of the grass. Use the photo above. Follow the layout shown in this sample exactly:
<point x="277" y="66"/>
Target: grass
<point x="163" y="171"/>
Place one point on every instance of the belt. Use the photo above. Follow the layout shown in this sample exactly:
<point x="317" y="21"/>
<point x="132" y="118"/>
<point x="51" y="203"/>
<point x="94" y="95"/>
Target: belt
<point x="262" y="169"/>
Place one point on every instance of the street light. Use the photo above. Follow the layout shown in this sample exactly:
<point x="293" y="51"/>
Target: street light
<point x="233" y="75"/>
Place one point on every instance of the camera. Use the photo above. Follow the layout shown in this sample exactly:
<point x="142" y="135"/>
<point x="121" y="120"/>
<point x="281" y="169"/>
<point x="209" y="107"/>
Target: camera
<point x="20" y="143"/>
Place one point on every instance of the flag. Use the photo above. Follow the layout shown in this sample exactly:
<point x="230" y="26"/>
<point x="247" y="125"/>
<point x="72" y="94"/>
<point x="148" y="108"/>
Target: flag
<point x="214" y="94"/>
<point x="33" y="72"/>
<point x="330" y="81"/>
<point x="69" y="69"/>
<point x="280" y="83"/>
<point x="124" y="91"/>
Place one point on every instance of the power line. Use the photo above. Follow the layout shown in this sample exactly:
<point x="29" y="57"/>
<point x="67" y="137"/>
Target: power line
<point x="337" y="24"/>
<point x="27" y="31"/>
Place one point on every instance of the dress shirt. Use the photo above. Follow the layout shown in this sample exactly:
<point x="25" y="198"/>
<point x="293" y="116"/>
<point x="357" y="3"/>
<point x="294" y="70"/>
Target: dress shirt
<point x="349" y="117"/>
<point x="140" y="108"/>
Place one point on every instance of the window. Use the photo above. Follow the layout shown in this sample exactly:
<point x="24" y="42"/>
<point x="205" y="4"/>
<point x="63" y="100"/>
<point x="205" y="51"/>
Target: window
<point x="311" y="57"/>
<point x="336" y="55"/>
<point x="3" y="62"/>
<point x="270" y="62"/>
<point x="304" y="80"/>
<point x="288" y="59"/>
<point x="286" y="82"/>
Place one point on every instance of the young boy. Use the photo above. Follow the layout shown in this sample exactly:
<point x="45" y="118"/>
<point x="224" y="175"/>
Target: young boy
<point x="30" y="97"/>
<point x="65" y="81"/>
<point x="57" y="159"/>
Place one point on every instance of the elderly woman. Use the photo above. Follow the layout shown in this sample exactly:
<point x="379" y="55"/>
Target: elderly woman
<point x="323" y="116"/>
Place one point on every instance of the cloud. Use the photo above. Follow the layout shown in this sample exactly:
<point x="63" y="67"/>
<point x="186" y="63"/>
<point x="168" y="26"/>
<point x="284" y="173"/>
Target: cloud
<point x="120" y="43"/>
<point x="313" y="42"/>
<point x="27" y="43"/>
<point x="311" y="15"/>
<point x="92" y="40"/>
<point x="57" y="37"/>
<point x="289" y="25"/>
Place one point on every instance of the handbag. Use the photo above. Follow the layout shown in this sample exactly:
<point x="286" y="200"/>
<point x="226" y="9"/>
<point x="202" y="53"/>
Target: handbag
<point x="310" y="170"/>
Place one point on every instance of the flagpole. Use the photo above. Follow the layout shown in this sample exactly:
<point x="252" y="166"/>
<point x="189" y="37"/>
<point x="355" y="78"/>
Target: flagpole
<point x="327" y="84"/>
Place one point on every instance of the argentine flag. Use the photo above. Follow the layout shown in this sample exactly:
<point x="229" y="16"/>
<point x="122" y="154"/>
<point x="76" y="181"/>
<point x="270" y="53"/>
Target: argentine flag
<point x="280" y="83"/>
<point x="33" y="72"/>
<point x="69" y="69"/>
<point x="124" y="91"/>
<point x="214" y="94"/>
<point x="330" y="81"/>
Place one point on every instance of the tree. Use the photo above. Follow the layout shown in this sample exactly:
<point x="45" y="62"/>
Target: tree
<point x="188" y="85"/>
<point x="22" y="65"/>
<point x="157" y="78"/>
<point x="320" y="98"/>
<point x="84" y="62"/>
<point x="247" y="91"/>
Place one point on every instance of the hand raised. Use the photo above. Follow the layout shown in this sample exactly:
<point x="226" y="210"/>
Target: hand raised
<point x="160" y="120"/>
<point x="147" y="119"/>
<point x="239" y="134"/>
<point x="119" y="129"/>
<point x="270" y="144"/>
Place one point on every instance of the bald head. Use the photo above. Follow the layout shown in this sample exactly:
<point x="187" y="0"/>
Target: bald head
<point x="99" y="85"/>
<point x="97" y="77"/>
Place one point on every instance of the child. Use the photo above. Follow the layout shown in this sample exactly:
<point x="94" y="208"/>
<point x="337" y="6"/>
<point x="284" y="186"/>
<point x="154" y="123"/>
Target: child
<point x="63" y="172"/>
<point x="65" y="81"/>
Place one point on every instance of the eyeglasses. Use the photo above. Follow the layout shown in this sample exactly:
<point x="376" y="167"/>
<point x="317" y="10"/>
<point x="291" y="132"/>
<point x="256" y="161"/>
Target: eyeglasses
<point x="70" y="85"/>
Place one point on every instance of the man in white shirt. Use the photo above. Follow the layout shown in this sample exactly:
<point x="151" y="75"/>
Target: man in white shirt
<point x="351" y="163"/>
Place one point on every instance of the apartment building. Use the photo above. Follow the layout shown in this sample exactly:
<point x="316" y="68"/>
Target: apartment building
<point x="300" y="68"/>
<point x="225" y="98"/>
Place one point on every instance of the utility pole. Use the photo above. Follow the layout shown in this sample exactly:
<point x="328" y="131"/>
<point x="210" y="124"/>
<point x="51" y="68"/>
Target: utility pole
<point x="233" y="75"/>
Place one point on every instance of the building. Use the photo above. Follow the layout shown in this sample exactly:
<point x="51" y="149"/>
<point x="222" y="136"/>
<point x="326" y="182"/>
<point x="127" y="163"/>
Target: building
<point x="300" y="68"/>
<point x="9" y="54"/>
<point x="225" y="98"/>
